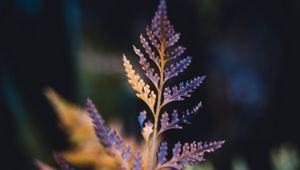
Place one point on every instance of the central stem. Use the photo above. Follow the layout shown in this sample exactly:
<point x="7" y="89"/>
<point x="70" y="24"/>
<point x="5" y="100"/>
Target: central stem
<point x="154" y="140"/>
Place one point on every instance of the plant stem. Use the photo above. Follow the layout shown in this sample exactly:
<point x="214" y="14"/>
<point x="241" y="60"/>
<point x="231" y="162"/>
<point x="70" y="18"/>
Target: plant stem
<point x="154" y="139"/>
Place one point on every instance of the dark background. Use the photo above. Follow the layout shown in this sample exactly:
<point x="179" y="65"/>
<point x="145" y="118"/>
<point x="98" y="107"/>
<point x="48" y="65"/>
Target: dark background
<point x="249" y="50"/>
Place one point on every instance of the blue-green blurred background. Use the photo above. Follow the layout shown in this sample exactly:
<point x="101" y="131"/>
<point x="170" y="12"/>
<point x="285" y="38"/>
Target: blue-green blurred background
<point x="247" y="48"/>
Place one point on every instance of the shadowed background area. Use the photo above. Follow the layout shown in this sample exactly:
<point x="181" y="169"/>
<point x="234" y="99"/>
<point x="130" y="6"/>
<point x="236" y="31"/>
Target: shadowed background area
<point x="247" y="49"/>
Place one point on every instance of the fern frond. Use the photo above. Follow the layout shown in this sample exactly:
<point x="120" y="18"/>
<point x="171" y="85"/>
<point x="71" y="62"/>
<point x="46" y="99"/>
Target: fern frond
<point x="102" y="131"/>
<point x="137" y="162"/>
<point x="174" y="53"/>
<point x="152" y="38"/>
<point x="150" y="73"/>
<point x="160" y="46"/>
<point x="161" y="25"/>
<point x="162" y="154"/>
<point x="142" y="117"/>
<point x="126" y="155"/>
<point x="172" y="39"/>
<point x="61" y="162"/>
<point x="149" y="51"/>
<point x="142" y="89"/>
<point x="179" y="67"/>
<point x="184" y="90"/>
<point x="190" y="154"/>
<point x="176" y="121"/>
<point x="108" y="137"/>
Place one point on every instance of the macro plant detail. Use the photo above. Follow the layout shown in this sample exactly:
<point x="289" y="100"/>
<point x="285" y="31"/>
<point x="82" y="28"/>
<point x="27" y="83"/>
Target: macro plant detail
<point x="160" y="63"/>
<point x="163" y="38"/>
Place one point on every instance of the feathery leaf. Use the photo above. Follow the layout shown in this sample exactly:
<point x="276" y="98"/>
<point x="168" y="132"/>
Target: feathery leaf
<point x="163" y="152"/>
<point x="126" y="155"/>
<point x="102" y="131"/>
<point x="160" y="46"/>
<point x="142" y="89"/>
<point x="142" y="117"/>
<point x="176" y="52"/>
<point x="179" y="67"/>
<point x="190" y="154"/>
<point x="160" y="24"/>
<point x="109" y="138"/>
<point x="149" y="51"/>
<point x="184" y="90"/>
<point x="176" y="120"/>
<point x="137" y="162"/>
<point x="173" y="39"/>
<point x="152" y="38"/>
<point x="154" y="77"/>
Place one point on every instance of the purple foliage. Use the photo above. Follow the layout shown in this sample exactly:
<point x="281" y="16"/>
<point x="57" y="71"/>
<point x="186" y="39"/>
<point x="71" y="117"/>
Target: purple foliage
<point x="176" y="150"/>
<point x="160" y="50"/>
<point x="176" y="120"/>
<point x="126" y="154"/>
<point x="176" y="52"/>
<point x="179" y="67"/>
<point x="163" y="152"/>
<point x="137" y="162"/>
<point x="184" y="90"/>
<point x="149" y="50"/>
<point x="161" y="25"/>
<point x="154" y="77"/>
<point x="108" y="137"/>
<point x="164" y="121"/>
<point x="152" y="38"/>
<point x="142" y="117"/>
<point x="102" y="131"/>
<point x="191" y="154"/>
<point x="173" y="39"/>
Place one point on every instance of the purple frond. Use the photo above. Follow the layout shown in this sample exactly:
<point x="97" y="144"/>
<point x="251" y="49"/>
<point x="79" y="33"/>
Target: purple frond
<point x="163" y="152"/>
<point x="176" y="150"/>
<point x="176" y="52"/>
<point x="118" y="143"/>
<point x="101" y="130"/>
<point x="137" y="162"/>
<point x="112" y="135"/>
<point x="179" y="67"/>
<point x="158" y="18"/>
<point x="149" y="50"/>
<point x="164" y="121"/>
<point x="184" y="90"/>
<point x="166" y="124"/>
<point x="152" y="38"/>
<point x="108" y="137"/>
<point x="176" y="121"/>
<point x="154" y="77"/>
<point x="192" y="153"/>
<point x="61" y="162"/>
<point x="142" y="117"/>
<point x="173" y="39"/>
<point x="160" y="24"/>
<point x="126" y="155"/>
<point x="188" y="114"/>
